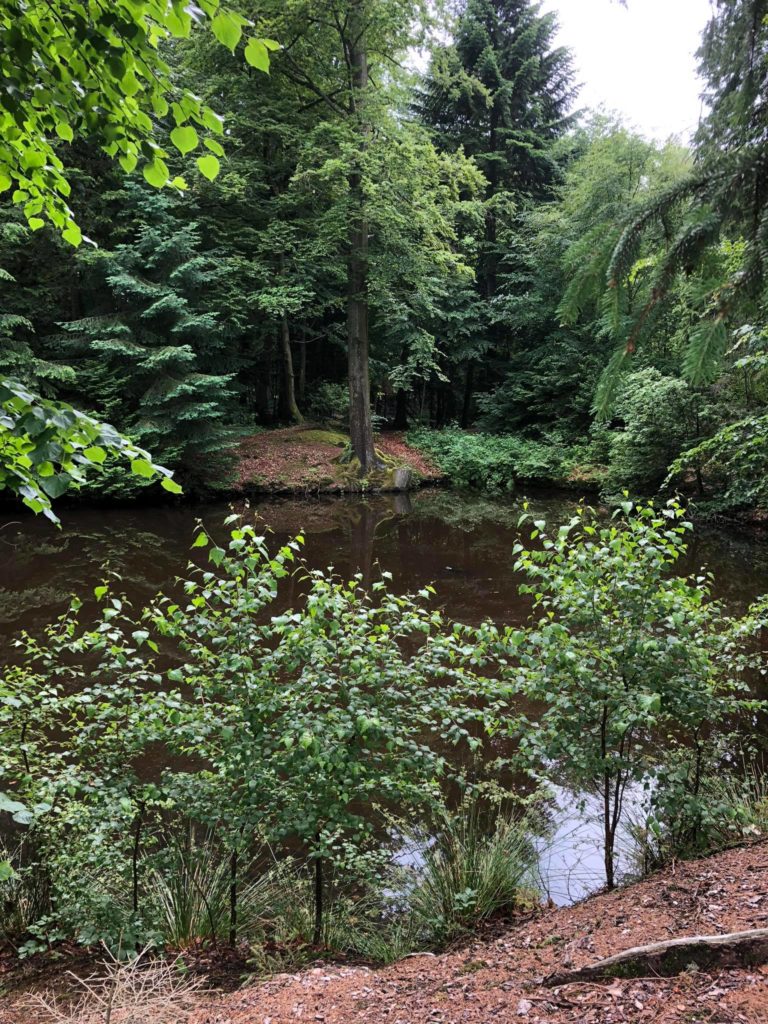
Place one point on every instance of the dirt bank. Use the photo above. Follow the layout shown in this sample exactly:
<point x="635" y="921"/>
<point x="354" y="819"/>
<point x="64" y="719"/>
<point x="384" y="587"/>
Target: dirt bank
<point x="307" y="459"/>
<point x="499" y="976"/>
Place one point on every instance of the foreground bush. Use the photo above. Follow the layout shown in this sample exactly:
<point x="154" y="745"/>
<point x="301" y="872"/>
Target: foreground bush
<point x="161" y="766"/>
<point x="301" y="729"/>
<point x="642" y="677"/>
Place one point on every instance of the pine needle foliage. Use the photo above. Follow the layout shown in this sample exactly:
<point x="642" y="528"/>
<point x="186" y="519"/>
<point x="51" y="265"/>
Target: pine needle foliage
<point x="726" y="193"/>
<point x="151" y="353"/>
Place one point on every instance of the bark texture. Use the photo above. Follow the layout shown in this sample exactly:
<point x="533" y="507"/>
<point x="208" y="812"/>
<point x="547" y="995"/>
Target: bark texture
<point x="360" y="425"/>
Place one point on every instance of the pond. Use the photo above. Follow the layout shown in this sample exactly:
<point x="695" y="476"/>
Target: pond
<point x="461" y="544"/>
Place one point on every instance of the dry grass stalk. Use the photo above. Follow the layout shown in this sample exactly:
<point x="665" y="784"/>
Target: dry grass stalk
<point x="138" y="991"/>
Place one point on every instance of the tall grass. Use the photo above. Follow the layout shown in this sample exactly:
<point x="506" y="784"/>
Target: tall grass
<point x="476" y="867"/>
<point x="470" y="866"/>
<point x="192" y="893"/>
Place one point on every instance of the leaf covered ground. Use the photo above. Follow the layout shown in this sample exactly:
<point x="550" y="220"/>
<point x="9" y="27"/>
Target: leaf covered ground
<point x="300" y="459"/>
<point x="498" y="977"/>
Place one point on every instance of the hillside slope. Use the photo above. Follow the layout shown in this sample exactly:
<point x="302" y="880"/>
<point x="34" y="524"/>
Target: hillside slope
<point x="498" y="978"/>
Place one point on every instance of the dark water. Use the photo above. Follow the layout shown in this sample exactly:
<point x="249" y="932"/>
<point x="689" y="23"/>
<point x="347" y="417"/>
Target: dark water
<point x="462" y="545"/>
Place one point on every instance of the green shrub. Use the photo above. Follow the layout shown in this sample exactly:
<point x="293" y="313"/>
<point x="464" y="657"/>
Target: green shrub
<point x="732" y="466"/>
<point x="299" y="729"/>
<point x="641" y="675"/>
<point x="699" y="808"/>
<point x="659" y="418"/>
<point x="328" y="402"/>
<point x="491" y="462"/>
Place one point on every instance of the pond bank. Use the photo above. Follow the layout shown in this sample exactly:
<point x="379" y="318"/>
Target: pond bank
<point x="310" y="460"/>
<point x="498" y="975"/>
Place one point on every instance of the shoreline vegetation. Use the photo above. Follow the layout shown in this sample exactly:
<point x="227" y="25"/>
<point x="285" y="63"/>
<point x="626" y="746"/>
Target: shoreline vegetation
<point x="213" y="769"/>
<point x="515" y="968"/>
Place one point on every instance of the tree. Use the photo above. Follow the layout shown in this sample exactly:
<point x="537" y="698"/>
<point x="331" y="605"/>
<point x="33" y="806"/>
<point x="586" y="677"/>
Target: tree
<point x="149" y="354"/>
<point x="501" y="92"/>
<point x="634" y="665"/>
<point x="319" y="151"/>
<point x="723" y="197"/>
<point x="551" y="300"/>
<point x="80" y="71"/>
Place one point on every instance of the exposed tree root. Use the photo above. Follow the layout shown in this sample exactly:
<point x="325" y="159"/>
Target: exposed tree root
<point x="673" y="956"/>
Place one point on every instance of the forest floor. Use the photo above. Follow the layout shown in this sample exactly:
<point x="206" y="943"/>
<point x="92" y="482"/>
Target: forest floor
<point x="497" y="977"/>
<point x="309" y="459"/>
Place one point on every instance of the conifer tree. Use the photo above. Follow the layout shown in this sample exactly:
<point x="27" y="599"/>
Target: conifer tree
<point x="150" y="354"/>
<point x="724" y="197"/>
<point x="501" y="91"/>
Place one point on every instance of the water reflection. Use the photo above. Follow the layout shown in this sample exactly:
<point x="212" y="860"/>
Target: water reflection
<point x="461" y="544"/>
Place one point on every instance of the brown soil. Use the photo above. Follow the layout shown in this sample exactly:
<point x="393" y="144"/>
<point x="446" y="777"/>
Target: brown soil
<point x="498" y="976"/>
<point x="305" y="458"/>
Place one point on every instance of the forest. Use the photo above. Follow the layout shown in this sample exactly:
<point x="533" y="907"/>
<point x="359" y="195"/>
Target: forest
<point x="447" y="242"/>
<point x="383" y="466"/>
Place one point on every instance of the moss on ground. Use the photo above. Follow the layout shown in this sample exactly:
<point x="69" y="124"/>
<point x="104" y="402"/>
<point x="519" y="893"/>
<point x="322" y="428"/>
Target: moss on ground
<point x="315" y="436"/>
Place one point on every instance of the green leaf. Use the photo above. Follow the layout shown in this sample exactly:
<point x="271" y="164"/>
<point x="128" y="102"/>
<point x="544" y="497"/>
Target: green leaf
<point x="128" y="162"/>
<point x="257" y="54"/>
<point x="214" y="146"/>
<point x="171" y="486"/>
<point x="9" y="805"/>
<point x="228" y="29"/>
<point x="201" y="541"/>
<point x="64" y="131"/>
<point x="143" y="468"/>
<point x="55" y="486"/>
<point x="36" y="223"/>
<point x="156" y="172"/>
<point x="209" y="166"/>
<point x="130" y="84"/>
<point x="213" y="121"/>
<point x="72" y="234"/>
<point x="6" y="871"/>
<point x="95" y="454"/>
<point x="184" y="138"/>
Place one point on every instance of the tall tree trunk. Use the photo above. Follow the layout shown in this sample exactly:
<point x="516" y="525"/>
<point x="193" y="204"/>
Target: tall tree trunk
<point x="469" y="383"/>
<point x="292" y="408"/>
<point x="360" y="426"/>
<point x="401" y="409"/>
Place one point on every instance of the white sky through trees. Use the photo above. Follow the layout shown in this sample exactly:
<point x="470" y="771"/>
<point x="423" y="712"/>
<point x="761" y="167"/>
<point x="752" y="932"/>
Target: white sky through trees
<point x="637" y="60"/>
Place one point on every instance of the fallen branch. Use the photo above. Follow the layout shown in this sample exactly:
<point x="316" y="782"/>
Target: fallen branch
<point x="673" y="955"/>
